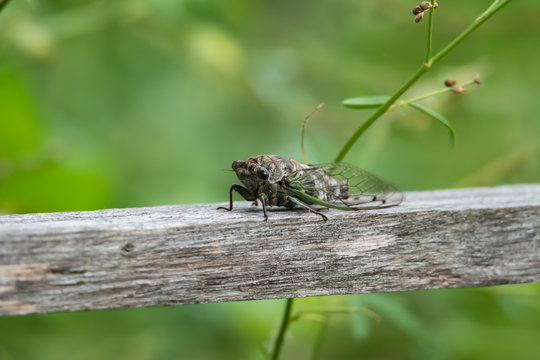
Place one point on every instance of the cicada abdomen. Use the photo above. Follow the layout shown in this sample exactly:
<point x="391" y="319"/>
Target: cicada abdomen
<point x="344" y="186"/>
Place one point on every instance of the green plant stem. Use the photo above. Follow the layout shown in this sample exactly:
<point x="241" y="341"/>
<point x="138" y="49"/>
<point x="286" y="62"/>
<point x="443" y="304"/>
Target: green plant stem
<point x="492" y="9"/>
<point x="422" y="97"/>
<point x="316" y="352"/>
<point x="430" y="31"/>
<point x="430" y="94"/>
<point x="3" y="4"/>
<point x="282" y="329"/>
<point x="381" y="110"/>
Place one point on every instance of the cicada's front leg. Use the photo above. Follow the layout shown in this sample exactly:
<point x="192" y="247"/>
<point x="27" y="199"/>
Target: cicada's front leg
<point x="307" y="207"/>
<point x="285" y="182"/>
<point x="242" y="191"/>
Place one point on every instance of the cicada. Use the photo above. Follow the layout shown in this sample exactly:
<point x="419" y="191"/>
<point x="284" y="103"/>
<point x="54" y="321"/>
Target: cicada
<point x="277" y="181"/>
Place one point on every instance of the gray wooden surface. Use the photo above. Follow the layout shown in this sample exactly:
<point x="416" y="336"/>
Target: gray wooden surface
<point x="185" y="254"/>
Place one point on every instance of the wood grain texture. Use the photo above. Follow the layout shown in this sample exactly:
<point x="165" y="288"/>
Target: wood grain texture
<point x="185" y="254"/>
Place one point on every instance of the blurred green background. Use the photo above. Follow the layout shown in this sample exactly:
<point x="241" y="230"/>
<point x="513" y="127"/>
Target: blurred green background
<point x="139" y="103"/>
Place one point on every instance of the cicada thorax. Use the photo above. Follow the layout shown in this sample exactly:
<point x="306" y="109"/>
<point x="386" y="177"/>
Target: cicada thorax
<point x="263" y="175"/>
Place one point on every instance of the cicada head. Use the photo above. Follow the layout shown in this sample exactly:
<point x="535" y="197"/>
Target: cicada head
<point x="250" y="172"/>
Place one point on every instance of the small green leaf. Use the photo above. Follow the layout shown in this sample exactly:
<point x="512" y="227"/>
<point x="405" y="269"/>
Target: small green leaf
<point x="436" y="116"/>
<point x="365" y="102"/>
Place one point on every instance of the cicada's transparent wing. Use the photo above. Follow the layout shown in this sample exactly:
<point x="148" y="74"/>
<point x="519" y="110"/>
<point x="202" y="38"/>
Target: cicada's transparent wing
<point x="343" y="186"/>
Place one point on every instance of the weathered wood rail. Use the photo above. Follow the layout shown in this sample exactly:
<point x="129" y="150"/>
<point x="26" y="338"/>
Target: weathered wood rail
<point x="192" y="253"/>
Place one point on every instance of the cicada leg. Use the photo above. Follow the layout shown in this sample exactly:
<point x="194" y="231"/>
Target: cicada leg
<point x="307" y="207"/>
<point x="263" y="199"/>
<point x="242" y="191"/>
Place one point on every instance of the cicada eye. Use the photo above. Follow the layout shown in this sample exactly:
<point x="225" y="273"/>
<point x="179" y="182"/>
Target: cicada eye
<point x="263" y="173"/>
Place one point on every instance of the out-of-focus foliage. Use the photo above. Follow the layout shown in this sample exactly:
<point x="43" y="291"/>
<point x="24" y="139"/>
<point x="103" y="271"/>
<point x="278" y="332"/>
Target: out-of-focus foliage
<point x="136" y="103"/>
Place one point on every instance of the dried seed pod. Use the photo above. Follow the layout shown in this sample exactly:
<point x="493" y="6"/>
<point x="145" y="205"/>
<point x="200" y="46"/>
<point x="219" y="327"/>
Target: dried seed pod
<point x="457" y="89"/>
<point x="449" y="83"/>
<point x="425" y="5"/>
<point x="477" y="79"/>
<point x="436" y="5"/>
<point x="418" y="17"/>
<point x="416" y="10"/>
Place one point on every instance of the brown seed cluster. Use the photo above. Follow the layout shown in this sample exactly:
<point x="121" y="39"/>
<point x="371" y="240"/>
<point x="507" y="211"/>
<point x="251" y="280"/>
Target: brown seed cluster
<point x="420" y="9"/>
<point x="454" y="86"/>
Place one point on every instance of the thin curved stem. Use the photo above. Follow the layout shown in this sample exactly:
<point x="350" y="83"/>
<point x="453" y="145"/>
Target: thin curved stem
<point x="282" y="329"/>
<point x="430" y="31"/>
<point x="304" y="125"/>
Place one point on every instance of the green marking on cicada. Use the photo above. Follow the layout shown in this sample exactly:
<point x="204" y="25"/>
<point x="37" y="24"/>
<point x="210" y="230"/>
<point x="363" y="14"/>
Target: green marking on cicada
<point x="311" y="199"/>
